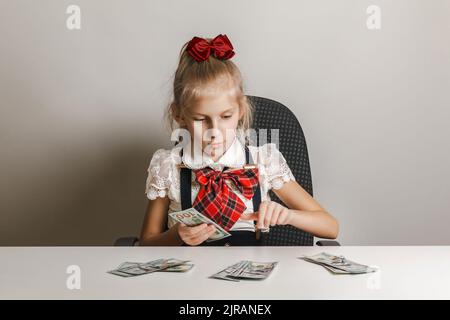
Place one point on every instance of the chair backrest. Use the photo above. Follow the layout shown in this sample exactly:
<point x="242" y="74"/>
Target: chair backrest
<point x="270" y="114"/>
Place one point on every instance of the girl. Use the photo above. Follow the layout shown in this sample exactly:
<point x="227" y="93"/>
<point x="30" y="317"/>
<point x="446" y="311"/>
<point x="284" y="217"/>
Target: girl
<point x="209" y="103"/>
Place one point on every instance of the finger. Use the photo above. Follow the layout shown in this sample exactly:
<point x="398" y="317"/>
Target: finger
<point x="190" y="232"/>
<point x="268" y="217"/>
<point x="262" y="213"/>
<point x="191" y="239"/>
<point x="271" y="208"/>
<point x="212" y="230"/>
<point x="250" y="216"/>
<point x="185" y="236"/>
<point x="204" y="235"/>
<point x="182" y="230"/>
<point x="207" y="229"/>
<point x="195" y="230"/>
<point x="275" y="216"/>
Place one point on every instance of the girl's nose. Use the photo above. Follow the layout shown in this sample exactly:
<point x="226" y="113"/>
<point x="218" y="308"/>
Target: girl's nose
<point x="213" y="126"/>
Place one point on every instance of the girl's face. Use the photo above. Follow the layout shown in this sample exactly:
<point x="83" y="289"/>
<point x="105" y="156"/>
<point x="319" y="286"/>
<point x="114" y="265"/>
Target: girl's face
<point x="213" y="121"/>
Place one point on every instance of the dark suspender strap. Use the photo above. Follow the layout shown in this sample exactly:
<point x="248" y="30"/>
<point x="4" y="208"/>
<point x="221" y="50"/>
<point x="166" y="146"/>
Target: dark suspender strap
<point x="248" y="156"/>
<point x="185" y="187"/>
<point x="257" y="196"/>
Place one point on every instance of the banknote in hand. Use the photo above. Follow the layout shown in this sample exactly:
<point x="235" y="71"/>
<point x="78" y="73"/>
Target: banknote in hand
<point x="191" y="217"/>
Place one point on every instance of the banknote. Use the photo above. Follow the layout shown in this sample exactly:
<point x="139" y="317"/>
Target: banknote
<point x="226" y="273"/>
<point x="246" y="270"/>
<point x="338" y="264"/>
<point x="162" y="264"/>
<point x="254" y="270"/>
<point x="180" y="268"/>
<point x="131" y="269"/>
<point x="191" y="217"/>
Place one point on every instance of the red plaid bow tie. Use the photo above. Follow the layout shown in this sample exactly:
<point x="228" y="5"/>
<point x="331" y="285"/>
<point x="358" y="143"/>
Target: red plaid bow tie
<point x="216" y="200"/>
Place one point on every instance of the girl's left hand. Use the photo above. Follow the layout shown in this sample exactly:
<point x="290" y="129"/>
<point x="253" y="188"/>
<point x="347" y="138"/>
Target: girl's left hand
<point x="270" y="213"/>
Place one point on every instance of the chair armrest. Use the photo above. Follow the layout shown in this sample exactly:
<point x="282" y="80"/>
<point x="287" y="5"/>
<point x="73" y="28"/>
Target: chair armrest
<point x="126" y="242"/>
<point x="327" y="243"/>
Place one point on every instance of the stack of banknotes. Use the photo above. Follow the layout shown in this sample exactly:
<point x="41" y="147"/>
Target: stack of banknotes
<point x="191" y="217"/>
<point x="132" y="269"/>
<point x="246" y="270"/>
<point x="338" y="264"/>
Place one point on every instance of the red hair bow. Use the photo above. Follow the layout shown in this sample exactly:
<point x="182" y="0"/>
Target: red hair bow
<point x="200" y="49"/>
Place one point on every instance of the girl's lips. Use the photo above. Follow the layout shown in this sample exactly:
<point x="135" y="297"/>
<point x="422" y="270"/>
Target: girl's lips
<point x="215" y="145"/>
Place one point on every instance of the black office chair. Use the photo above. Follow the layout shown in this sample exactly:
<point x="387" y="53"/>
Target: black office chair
<point x="270" y="114"/>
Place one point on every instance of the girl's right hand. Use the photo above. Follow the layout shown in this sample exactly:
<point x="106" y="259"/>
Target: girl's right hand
<point x="194" y="236"/>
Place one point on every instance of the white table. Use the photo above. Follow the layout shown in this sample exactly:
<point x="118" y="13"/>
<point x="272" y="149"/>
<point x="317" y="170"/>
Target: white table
<point x="405" y="273"/>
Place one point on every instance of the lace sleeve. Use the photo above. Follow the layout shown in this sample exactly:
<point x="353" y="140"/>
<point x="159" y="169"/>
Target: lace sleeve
<point x="160" y="173"/>
<point x="276" y="169"/>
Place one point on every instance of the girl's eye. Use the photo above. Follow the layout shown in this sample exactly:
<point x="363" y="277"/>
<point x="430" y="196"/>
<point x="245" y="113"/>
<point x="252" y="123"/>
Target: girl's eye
<point x="199" y="119"/>
<point x="226" y="117"/>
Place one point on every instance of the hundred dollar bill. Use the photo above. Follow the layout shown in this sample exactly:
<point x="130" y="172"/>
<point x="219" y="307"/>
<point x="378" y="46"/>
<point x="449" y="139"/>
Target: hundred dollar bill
<point x="191" y="217"/>
<point x="162" y="264"/>
<point x="254" y="270"/>
<point x="131" y="269"/>
<point x="228" y="271"/>
<point x="246" y="270"/>
<point x="338" y="264"/>
<point x="180" y="268"/>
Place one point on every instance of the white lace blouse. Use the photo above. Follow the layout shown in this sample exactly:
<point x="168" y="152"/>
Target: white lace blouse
<point x="164" y="174"/>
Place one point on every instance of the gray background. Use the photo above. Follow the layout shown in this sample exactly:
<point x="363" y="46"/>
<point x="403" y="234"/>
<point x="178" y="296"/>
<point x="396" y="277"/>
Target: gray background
<point x="81" y="110"/>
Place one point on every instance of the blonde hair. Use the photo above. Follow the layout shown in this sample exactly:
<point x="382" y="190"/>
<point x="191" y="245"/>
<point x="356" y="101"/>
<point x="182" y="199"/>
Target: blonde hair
<point x="193" y="79"/>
